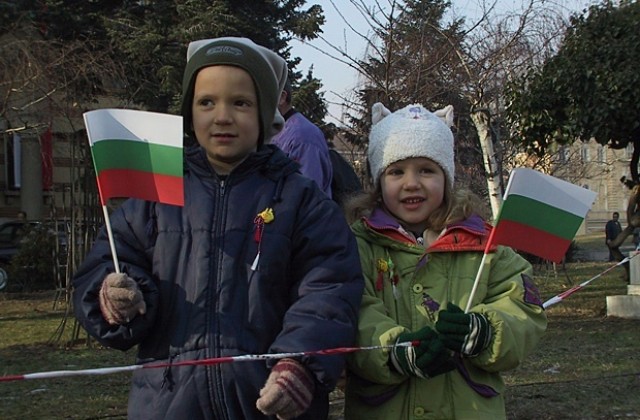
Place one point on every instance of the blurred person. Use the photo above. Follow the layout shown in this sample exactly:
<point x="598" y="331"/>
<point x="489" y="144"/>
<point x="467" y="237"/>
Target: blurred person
<point x="304" y="142"/>
<point x="612" y="229"/>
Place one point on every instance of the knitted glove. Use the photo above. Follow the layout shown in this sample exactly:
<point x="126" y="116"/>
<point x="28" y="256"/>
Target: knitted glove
<point x="468" y="334"/>
<point x="120" y="299"/>
<point x="426" y="360"/>
<point x="288" y="391"/>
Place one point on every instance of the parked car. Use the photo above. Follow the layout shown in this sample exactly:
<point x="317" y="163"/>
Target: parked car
<point x="13" y="233"/>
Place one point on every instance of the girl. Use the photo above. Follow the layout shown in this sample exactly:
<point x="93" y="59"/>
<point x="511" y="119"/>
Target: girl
<point x="420" y="246"/>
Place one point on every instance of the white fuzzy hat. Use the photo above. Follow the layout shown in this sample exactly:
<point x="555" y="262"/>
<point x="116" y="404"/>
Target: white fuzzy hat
<point x="412" y="131"/>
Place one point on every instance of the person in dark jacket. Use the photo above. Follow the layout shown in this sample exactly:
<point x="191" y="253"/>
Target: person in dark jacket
<point x="257" y="261"/>
<point x="611" y="230"/>
<point x="304" y="142"/>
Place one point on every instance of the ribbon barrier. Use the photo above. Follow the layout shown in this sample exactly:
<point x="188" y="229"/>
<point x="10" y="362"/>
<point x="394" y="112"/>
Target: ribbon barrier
<point x="255" y="357"/>
<point x="203" y="362"/>
<point x="562" y="296"/>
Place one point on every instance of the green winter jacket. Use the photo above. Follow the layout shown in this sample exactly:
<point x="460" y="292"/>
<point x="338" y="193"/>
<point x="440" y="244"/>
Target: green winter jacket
<point x="405" y="286"/>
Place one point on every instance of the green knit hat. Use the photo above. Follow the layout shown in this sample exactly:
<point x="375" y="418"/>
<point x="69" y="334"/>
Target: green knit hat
<point x="267" y="69"/>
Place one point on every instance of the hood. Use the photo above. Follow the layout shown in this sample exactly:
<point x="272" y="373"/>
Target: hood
<point x="470" y="234"/>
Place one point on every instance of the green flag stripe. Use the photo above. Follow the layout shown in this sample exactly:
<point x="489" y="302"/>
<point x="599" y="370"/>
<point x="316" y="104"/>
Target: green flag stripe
<point x="137" y="155"/>
<point x="539" y="215"/>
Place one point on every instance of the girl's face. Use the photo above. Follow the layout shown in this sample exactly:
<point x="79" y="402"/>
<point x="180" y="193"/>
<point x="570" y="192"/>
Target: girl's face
<point x="225" y="115"/>
<point x="411" y="190"/>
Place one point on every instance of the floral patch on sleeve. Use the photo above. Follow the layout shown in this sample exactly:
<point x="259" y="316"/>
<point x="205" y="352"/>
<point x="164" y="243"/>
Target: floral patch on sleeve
<point x="531" y="293"/>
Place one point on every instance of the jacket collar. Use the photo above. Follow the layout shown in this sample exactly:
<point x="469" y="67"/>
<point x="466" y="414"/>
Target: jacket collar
<point x="470" y="234"/>
<point x="268" y="159"/>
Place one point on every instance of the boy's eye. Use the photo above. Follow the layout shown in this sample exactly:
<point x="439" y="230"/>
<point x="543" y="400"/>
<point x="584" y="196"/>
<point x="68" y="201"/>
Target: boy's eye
<point x="243" y="103"/>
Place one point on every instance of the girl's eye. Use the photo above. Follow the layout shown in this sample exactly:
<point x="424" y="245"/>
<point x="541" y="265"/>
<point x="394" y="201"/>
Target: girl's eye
<point x="243" y="103"/>
<point x="205" y="102"/>
<point x="394" y="171"/>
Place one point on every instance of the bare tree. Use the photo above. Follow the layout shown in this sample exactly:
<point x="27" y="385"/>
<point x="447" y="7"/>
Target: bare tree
<point x="476" y="63"/>
<point x="47" y="84"/>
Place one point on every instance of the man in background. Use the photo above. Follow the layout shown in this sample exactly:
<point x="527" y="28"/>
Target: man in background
<point x="304" y="142"/>
<point x="612" y="229"/>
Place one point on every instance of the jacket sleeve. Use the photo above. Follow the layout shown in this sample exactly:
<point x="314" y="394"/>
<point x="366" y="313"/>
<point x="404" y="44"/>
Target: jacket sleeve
<point x="513" y="306"/>
<point x="328" y="288"/>
<point x="314" y="163"/>
<point x="301" y="140"/>
<point x="608" y="231"/>
<point x="130" y="245"/>
<point x="375" y="328"/>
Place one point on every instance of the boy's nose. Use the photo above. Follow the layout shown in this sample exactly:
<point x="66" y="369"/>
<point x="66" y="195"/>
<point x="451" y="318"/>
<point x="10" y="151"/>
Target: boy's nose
<point x="222" y="115"/>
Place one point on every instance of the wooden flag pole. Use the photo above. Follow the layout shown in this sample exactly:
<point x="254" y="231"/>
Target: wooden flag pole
<point x="486" y="250"/>
<point x="476" y="281"/>
<point x="112" y="244"/>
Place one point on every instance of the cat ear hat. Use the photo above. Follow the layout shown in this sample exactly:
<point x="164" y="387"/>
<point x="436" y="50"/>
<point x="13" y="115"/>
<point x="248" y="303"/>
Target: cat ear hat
<point x="412" y="131"/>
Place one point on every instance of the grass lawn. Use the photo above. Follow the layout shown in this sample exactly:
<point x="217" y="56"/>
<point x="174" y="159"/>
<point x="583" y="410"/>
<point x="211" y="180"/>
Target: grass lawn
<point x="586" y="367"/>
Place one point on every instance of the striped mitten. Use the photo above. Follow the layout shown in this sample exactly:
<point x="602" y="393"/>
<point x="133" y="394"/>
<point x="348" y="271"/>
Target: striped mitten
<point x="467" y="334"/>
<point x="288" y="391"/>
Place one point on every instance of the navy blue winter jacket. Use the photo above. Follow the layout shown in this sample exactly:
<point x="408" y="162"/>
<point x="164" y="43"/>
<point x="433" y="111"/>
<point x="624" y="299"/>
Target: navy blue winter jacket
<point x="204" y="300"/>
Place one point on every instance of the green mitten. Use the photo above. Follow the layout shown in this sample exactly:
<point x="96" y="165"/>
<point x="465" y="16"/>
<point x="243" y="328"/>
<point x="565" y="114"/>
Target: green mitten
<point x="427" y="359"/>
<point x="468" y="334"/>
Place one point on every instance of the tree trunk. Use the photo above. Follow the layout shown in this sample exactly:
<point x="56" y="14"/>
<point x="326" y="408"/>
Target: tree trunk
<point x="480" y="119"/>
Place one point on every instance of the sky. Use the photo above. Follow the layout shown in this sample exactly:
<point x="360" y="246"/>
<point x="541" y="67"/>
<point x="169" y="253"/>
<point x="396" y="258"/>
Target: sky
<point x="339" y="79"/>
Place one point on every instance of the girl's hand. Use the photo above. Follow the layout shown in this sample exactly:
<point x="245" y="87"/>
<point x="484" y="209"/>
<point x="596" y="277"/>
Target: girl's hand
<point x="468" y="334"/>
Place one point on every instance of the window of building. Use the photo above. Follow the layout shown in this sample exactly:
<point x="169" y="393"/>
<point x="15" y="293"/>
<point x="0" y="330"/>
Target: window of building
<point x="584" y="153"/>
<point x="601" y="154"/>
<point x="562" y="154"/>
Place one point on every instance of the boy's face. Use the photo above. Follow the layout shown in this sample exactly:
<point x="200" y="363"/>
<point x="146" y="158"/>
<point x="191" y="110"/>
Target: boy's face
<point x="412" y="189"/>
<point x="225" y="115"/>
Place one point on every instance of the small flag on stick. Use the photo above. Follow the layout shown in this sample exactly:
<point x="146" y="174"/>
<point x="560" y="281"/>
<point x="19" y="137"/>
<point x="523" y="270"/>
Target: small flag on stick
<point x="541" y="214"/>
<point x="137" y="154"/>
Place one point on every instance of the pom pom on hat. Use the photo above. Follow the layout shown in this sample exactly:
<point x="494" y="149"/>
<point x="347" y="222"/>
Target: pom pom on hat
<point x="267" y="69"/>
<point x="412" y="131"/>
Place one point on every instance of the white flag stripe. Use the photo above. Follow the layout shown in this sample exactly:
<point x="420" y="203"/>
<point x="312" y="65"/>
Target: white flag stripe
<point x="550" y="190"/>
<point x="129" y="124"/>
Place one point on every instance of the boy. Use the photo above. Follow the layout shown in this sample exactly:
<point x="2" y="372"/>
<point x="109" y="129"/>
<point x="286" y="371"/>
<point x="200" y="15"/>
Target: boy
<point x="257" y="261"/>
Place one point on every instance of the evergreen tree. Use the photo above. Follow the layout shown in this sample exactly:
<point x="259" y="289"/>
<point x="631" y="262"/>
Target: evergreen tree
<point x="151" y="37"/>
<point x="309" y="100"/>
<point x="414" y="61"/>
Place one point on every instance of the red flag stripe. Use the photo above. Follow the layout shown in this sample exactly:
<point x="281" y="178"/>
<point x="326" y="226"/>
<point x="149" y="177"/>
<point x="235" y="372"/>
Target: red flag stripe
<point x="528" y="239"/>
<point x="144" y="185"/>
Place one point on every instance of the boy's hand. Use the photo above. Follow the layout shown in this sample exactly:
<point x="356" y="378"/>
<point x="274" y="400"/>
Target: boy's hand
<point x="426" y="360"/>
<point x="468" y="334"/>
<point x="120" y="299"/>
<point x="288" y="391"/>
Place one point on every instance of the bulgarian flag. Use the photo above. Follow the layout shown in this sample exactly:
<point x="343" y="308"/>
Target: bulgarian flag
<point x="540" y="214"/>
<point x="137" y="154"/>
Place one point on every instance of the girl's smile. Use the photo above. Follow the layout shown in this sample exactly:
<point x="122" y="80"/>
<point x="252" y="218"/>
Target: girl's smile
<point x="412" y="189"/>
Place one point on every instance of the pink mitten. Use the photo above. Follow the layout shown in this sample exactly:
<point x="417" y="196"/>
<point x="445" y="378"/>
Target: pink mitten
<point x="288" y="391"/>
<point x="120" y="299"/>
